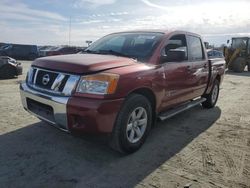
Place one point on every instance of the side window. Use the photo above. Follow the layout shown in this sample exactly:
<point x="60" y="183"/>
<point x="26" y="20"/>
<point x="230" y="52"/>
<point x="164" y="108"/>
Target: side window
<point x="16" y="49"/>
<point x="176" y="43"/>
<point x="195" y="51"/>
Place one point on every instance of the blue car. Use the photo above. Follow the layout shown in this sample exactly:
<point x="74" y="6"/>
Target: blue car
<point x="19" y="51"/>
<point x="212" y="54"/>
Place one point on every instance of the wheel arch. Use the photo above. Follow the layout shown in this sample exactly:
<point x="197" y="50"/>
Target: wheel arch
<point x="149" y="94"/>
<point x="218" y="77"/>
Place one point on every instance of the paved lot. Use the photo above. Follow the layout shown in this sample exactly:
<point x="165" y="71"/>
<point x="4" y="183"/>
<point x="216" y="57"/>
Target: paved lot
<point x="198" y="148"/>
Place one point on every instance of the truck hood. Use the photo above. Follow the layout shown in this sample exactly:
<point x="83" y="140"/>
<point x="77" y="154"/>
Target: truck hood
<point x="82" y="63"/>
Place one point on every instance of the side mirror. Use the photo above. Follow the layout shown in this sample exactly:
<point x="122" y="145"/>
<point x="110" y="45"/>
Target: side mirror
<point x="174" y="55"/>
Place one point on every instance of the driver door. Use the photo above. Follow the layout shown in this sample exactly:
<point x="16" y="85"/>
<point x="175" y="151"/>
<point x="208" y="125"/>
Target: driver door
<point x="177" y="74"/>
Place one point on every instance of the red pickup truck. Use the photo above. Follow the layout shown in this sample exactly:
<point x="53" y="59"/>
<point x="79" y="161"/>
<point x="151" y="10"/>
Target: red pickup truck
<point x="122" y="83"/>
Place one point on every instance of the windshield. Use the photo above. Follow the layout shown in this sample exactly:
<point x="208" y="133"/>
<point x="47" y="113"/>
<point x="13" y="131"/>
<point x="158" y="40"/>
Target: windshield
<point x="134" y="45"/>
<point x="5" y="47"/>
<point x="239" y="43"/>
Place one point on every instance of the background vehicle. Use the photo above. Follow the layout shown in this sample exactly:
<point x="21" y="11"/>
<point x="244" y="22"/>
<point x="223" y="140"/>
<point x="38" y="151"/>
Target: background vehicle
<point x="46" y="49"/>
<point x="214" y="54"/>
<point x="63" y="51"/>
<point x="2" y="44"/>
<point x="9" y="67"/>
<point x="122" y="83"/>
<point x="19" y="51"/>
<point x="41" y="50"/>
<point x="237" y="56"/>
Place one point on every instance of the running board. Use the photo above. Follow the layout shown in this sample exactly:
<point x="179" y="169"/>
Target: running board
<point x="182" y="108"/>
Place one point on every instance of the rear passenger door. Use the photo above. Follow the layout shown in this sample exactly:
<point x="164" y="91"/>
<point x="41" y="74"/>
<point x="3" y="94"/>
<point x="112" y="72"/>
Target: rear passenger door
<point x="200" y="67"/>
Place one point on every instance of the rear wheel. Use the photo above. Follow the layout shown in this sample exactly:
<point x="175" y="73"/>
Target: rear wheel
<point x="132" y="125"/>
<point x="230" y="67"/>
<point x="239" y="64"/>
<point x="212" y="97"/>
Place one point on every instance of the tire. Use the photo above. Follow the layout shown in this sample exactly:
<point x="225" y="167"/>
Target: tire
<point x="239" y="64"/>
<point x="230" y="67"/>
<point x="7" y="72"/>
<point x="248" y="66"/>
<point x="125" y="137"/>
<point x="212" y="97"/>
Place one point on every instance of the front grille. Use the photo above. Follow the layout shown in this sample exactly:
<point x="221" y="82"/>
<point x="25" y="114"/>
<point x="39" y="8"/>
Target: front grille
<point x="51" y="81"/>
<point x="40" y="79"/>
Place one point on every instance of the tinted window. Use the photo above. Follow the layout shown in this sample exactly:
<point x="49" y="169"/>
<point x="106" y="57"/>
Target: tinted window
<point x="116" y="43"/>
<point x="5" y="47"/>
<point x="195" y="51"/>
<point x="139" y="45"/>
<point x="17" y="47"/>
<point x="177" y="42"/>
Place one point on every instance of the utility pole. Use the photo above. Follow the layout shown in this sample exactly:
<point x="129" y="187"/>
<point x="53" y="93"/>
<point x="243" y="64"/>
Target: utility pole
<point x="69" y="30"/>
<point x="88" y="42"/>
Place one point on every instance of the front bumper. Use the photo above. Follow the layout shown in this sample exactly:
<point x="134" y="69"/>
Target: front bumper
<point x="58" y="113"/>
<point x="71" y="113"/>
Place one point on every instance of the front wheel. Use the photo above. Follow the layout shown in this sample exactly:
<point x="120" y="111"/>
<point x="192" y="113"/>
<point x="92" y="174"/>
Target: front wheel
<point x="239" y="64"/>
<point x="132" y="125"/>
<point x="212" y="97"/>
<point x="7" y="71"/>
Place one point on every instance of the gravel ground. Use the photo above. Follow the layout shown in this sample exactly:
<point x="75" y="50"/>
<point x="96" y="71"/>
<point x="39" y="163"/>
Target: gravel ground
<point x="198" y="148"/>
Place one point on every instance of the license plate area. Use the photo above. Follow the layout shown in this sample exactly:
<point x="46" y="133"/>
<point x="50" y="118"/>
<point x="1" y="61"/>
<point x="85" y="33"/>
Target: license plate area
<point x="40" y="109"/>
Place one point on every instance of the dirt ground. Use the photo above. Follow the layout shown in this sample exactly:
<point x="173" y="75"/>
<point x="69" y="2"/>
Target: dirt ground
<point x="198" y="148"/>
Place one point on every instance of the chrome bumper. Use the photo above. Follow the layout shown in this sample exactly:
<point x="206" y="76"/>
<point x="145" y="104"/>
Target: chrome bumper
<point x="57" y="103"/>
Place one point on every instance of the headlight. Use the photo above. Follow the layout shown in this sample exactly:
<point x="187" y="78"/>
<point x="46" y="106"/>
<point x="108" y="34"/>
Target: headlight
<point x="103" y="83"/>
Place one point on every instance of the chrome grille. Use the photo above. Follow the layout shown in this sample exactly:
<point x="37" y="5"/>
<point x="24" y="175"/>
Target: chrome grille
<point x="51" y="81"/>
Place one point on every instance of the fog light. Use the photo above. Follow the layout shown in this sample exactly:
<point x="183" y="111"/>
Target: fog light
<point x="78" y="121"/>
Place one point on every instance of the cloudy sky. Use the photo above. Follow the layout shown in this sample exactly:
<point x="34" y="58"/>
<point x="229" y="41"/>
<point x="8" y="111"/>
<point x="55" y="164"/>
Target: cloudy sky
<point x="47" y="21"/>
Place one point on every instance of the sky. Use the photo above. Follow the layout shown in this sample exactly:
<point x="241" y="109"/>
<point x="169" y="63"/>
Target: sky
<point x="47" y="22"/>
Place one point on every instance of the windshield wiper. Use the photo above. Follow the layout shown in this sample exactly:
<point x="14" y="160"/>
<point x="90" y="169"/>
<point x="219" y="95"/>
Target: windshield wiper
<point x="91" y="52"/>
<point x="106" y="52"/>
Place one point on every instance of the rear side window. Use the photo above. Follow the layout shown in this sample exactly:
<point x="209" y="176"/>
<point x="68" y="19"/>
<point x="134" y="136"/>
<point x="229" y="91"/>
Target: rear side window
<point x="17" y="47"/>
<point x="195" y="51"/>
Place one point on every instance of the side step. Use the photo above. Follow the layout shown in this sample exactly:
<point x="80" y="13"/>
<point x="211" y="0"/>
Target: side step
<point x="179" y="109"/>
